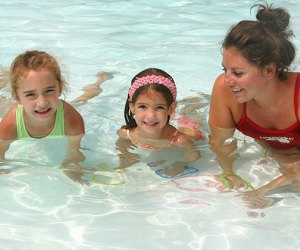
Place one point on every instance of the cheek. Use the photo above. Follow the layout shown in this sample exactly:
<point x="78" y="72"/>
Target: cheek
<point x="164" y="115"/>
<point x="137" y="116"/>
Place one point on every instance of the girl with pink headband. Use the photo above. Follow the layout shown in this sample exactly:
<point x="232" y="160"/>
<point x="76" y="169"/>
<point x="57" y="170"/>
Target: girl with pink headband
<point x="151" y="102"/>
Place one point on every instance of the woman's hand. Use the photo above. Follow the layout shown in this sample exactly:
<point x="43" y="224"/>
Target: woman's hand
<point x="232" y="182"/>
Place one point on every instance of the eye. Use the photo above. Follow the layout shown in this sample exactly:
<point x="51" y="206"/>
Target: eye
<point x="236" y="73"/>
<point x="29" y="95"/>
<point x="161" y="107"/>
<point x="141" y="106"/>
<point x="52" y="90"/>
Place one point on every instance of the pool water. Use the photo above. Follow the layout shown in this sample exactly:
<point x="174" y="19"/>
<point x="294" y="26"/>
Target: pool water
<point x="41" y="208"/>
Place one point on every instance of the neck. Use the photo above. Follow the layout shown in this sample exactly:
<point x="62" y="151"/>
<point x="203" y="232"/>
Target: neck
<point x="273" y="94"/>
<point x="140" y="134"/>
<point x="39" y="128"/>
<point x="277" y="95"/>
<point x="145" y="140"/>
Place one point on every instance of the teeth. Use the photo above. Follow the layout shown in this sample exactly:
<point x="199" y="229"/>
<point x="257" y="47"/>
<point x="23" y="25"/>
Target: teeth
<point x="236" y="90"/>
<point x="150" y="124"/>
<point x="40" y="111"/>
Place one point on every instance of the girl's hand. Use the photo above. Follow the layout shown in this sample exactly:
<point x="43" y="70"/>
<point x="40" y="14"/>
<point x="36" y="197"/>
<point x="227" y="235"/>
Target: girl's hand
<point x="172" y="171"/>
<point x="75" y="173"/>
<point x="73" y="156"/>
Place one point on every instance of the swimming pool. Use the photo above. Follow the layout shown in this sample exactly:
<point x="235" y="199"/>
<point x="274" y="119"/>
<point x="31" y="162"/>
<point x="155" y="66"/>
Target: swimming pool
<point x="42" y="209"/>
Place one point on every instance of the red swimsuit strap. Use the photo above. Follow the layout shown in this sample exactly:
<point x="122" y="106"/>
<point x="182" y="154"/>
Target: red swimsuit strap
<point x="296" y="95"/>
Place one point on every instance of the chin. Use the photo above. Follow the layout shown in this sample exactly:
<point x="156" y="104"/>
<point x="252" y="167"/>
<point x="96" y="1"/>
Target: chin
<point x="241" y="100"/>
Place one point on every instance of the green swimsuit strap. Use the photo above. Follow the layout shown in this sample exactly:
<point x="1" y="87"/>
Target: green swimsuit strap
<point x="58" y="129"/>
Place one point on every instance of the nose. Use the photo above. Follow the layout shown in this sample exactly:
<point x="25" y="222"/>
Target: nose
<point x="41" y="101"/>
<point x="228" y="79"/>
<point x="151" y="113"/>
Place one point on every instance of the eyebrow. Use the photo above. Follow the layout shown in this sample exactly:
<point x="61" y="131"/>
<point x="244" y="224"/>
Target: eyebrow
<point x="144" y="103"/>
<point x="33" y="90"/>
<point x="235" y="68"/>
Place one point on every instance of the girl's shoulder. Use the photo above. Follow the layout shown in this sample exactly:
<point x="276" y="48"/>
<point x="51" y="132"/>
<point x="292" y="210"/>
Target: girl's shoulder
<point x="8" y="127"/>
<point x="180" y="138"/>
<point x="122" y="132"/>
<point x="74" y="124"/>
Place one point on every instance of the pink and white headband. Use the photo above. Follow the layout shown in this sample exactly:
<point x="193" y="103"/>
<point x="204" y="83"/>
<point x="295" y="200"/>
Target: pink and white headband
<point x="145" y="80"/>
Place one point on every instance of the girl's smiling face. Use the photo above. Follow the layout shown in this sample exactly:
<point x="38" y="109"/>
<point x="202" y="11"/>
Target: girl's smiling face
<point x="38" y="92"/>
<point x="151" y="113"/>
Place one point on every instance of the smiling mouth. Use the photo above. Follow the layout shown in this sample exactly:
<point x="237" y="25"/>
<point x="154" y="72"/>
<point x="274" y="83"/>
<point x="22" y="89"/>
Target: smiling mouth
<point x="42" y="112"/>
<point x="151" y="124"/>
<point x="236" y="90"/>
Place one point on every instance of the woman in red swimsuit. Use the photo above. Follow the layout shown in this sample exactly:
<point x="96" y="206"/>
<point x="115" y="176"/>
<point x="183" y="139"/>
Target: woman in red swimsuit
<point x="256" y="94"/>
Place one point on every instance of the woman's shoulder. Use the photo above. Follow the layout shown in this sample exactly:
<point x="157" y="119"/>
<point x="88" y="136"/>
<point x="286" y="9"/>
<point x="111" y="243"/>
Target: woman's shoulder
<point x="224" y="110"/>
<point x="221" y="94"/>
<point x="220" y="87"/>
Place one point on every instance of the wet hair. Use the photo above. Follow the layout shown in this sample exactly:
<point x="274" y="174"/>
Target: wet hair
<point x="34" y="60"/>
<point x="129" y="116"/>
<point x="266" y="40"/>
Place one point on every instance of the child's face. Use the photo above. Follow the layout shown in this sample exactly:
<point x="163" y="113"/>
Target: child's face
<point x="38" y="92"/>
<point x="151" y="113"/>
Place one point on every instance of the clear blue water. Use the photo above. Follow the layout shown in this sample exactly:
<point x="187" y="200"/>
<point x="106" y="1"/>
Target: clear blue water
<point x="42" y="209"/>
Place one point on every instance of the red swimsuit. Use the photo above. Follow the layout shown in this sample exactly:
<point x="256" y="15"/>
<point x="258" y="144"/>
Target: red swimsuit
<point x="283" y="138"/>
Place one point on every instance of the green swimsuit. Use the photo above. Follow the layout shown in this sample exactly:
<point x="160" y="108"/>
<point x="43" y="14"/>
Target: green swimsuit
<point x="59" y="126"/>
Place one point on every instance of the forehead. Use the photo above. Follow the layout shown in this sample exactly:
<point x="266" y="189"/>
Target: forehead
<point x="37" y="75"/>
<point x="234" y="57"/>
<point x="151" y="96"/>
<point x="36" y="79"/>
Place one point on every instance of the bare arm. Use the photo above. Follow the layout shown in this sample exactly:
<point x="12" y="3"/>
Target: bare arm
<point x="8" y="131"/>
<point x="224" y="151"/>
<point x="222" y="125"/>
<point x="289" y="162"/>
<point x="189" y="152"/>
<point x="223" y="115"/>
<point x="74" y="130"/>
<point x="126" y="158"/>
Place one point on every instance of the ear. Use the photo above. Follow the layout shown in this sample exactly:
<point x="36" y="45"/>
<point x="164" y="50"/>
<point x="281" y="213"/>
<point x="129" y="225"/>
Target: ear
<point x="172" y="108"/>
<point x="131" y="107"/>
<point x="269" y="70"/>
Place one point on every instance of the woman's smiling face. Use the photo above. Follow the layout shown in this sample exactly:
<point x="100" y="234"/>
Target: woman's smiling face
<point x="245" y="79"/>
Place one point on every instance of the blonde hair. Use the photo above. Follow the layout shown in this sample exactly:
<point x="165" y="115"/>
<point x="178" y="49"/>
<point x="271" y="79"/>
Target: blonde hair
<point x="34" y="60"/>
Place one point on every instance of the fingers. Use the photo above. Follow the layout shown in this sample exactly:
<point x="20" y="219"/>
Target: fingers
<point x="234" y="182"/>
